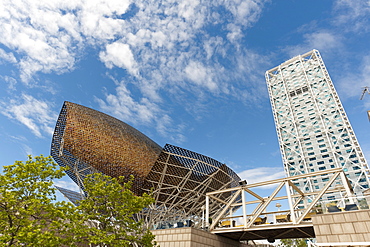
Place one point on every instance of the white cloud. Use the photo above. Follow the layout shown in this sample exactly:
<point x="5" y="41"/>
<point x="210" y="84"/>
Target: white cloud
<point x="126" y="108"/>
<point x="262" y="174"/>
<point x="200" y="75"/>
<point x="35" y="114"/>
<point x="120" y="55"/>
<point x="352" y="16"/>
<point x="11" y="82"/>
<point x="8" y="57"/>
<point x="355" y="80"/>
<point x="143" y="112"/>
<point x="167" y="48"/>
<point x="322" y="40"/>
<point x="28" y="150"/>
<point x="48" y="35"/>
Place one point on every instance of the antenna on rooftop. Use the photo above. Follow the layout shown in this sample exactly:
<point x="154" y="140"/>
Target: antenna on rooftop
<point x="364" y="90"/>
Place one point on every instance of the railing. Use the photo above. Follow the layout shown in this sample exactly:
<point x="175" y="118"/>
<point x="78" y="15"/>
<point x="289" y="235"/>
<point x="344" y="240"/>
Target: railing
<point x="248" y="209"/>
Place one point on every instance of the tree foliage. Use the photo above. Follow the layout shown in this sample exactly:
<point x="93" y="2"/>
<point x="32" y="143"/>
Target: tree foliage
<point x="31" y="216"/>
<point x="294" y="242"/>
<point x="110" y="208"/>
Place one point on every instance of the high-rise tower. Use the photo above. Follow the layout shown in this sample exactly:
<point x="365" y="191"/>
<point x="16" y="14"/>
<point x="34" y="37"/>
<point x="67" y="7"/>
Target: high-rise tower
<point x="313" y="129"/>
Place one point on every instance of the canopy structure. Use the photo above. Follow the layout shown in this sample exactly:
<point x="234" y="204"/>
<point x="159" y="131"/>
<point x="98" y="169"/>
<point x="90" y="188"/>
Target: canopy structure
<point x="88" y="141"/>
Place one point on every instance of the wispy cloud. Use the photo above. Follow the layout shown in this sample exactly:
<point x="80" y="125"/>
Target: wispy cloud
<point x="262" y="174"/>
<point x="33" y="113"/>
<point x="28" y="150"/>
<point x="11" y="82"/>
<point x="351" y="84"/>
<point x="352" y="16"/>
<point x="173" y="50"/>
<point x="347" y="18"/>
<point x="323" y="40"/>
<point x="8" y="57"/>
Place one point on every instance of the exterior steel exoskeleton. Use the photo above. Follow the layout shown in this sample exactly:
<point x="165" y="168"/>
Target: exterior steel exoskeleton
<point x="313" y="129"/>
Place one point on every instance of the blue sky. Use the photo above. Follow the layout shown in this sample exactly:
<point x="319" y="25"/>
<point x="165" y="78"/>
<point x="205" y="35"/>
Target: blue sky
<point x="189" y="73"/>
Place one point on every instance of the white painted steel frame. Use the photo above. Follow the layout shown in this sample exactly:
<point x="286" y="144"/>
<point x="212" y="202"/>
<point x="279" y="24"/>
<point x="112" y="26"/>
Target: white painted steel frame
<point x="297" y="215"/>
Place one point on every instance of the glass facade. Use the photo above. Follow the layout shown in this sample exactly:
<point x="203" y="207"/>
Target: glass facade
<point x="313" y="129"/>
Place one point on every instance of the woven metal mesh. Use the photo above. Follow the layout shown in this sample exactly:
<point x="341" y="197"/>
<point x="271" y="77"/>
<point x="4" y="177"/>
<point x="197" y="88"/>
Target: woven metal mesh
<point x="87" y="141"/>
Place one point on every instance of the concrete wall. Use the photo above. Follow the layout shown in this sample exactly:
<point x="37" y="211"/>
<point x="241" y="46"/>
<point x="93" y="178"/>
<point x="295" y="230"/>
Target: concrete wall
<point x="340" y="227"/>
<point x="191" y="237"/>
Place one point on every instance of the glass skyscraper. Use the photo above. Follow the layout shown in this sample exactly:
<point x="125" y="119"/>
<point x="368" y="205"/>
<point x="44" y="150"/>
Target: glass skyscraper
<point x="313" y="129"/>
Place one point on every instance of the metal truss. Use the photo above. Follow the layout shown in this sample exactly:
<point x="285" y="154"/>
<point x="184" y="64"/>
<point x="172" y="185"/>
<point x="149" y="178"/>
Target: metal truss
<point x="181" y="178"/>
<point x="256" y="206"/>
<point x="87" y="141"/>
<point x="313" y="130"/>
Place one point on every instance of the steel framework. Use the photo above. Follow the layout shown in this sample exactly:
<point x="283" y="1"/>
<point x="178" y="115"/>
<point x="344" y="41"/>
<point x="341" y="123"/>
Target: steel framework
<point x="181" y="178"/>
<point x="294" y="222"/>
<point x="313" y="129"/>
<point x="87" y="141"/>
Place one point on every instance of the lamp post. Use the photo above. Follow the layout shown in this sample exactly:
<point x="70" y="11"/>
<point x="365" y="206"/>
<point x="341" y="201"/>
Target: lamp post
<point x="278" y="205"/>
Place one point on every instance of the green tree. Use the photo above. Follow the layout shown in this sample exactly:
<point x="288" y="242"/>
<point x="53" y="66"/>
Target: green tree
<point x="109" y="210"/>
<point x="29" y="214"/>
<point x="294" y="242"/>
